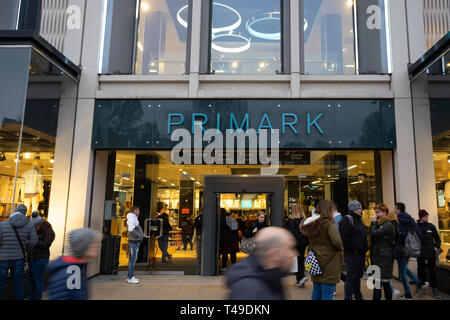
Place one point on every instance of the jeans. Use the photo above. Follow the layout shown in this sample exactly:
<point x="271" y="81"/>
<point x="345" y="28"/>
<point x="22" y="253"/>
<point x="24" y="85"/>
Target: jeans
<point x="16" y="268"/>
<point x="187" y="239"/>
<point x="404" y="273"/>
<point x="163" y="244"/>
<point x="323" y="291"/>
<point x="36" y="279"/>
<point x="355" y="271"/>
<point x="423" y="263"/>
<point x="301" y="264"/>
<point x="134" y="249"/>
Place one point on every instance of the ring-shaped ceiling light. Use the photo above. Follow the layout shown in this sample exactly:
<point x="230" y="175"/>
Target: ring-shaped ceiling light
<point x="270" y="16"/>
<point x="231" y="27"/>
<point x="243" y="48"/>
<point x="180" y="20"/>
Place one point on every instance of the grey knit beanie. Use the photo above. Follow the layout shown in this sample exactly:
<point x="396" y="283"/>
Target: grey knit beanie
<point x="354" y="205"/>
<point x="22" y="209"/>
<point x="36" y="219"/>
<point x="80" y="239"/>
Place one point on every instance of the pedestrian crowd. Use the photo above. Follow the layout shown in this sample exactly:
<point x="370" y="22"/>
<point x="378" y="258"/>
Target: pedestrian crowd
<point x="330" y="247"/>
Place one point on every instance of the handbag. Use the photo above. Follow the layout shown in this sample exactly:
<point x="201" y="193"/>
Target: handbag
<point x="312" y="265"/>
<point x="247" y="245"/>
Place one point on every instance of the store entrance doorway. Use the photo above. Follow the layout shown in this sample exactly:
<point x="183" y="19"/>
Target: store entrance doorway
<point x="266" y="194"/>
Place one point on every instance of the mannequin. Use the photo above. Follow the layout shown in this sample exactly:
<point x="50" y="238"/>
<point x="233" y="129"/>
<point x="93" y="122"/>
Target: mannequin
<point x="33" y="187"/>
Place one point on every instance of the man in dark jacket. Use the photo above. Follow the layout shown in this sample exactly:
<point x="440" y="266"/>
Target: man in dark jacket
<point x="258" y="277"/>
<point x="354" y="238"/>
<point x="40" y="256"/>
<point x="431" y="244"/>
<point x="11" y="253"/>
<point x="68" y="274"/>
<point x="406" y="224"/>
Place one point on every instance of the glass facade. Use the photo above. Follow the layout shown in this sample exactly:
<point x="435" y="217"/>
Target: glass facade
<point x="38" y="92"/>
<point x="162" y="37"/>
<point x="146" y="178"/>
<point x="329" y="37"/>
<point x="246" y="37"/>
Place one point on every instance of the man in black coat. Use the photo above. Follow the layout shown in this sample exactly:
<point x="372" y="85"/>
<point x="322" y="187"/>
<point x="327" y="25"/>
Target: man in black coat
<point x="258" y="277"/>
<point x="354" y="238"/>
<point x="431" y="243"/>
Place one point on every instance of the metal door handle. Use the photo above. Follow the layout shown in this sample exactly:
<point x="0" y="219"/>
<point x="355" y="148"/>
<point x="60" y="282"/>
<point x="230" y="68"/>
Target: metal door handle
<point x="146" y="233"/>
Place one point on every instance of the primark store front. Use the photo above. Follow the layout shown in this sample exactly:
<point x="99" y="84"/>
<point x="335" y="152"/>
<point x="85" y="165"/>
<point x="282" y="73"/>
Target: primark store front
<point x="200" y="105"/>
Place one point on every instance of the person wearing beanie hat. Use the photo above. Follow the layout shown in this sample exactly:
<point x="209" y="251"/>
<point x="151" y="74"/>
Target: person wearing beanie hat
<point x="68" y="274"/>
<point x="15" y="233"/>
<point x="431" y="246"/>
<point x="40" y="256"/>
<point x="354" y="238"/>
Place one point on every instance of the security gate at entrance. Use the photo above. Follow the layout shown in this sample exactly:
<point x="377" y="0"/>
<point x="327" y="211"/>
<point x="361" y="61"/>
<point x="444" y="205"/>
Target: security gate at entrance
<point x="216" y="185"/>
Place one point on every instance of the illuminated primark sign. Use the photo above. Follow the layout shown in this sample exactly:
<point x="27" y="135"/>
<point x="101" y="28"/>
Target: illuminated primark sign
<point x="285" y="122"/>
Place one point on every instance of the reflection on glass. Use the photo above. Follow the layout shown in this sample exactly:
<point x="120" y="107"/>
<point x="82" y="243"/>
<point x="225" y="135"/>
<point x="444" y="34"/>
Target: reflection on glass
<point x="162" y="36"/>
<point x="246" y="37"/>
<point x="329" y="37"/>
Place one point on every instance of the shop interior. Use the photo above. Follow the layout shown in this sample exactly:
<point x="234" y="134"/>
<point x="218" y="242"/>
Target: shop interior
<point x="181" y="188"/>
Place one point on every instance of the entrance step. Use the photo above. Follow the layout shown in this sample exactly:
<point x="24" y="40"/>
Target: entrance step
<point x="155" y="272"/>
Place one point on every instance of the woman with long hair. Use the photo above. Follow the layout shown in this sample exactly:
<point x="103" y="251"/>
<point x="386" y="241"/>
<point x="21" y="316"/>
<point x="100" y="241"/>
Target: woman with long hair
<point x="229" y="237"/>
<point x="326" y="243"/>
<point x="298" y="214"/>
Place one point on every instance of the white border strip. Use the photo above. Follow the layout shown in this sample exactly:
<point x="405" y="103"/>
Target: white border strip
<point x="103" y="33"/>
<point x="388" y="34"/>
<point x="355" y="29"/>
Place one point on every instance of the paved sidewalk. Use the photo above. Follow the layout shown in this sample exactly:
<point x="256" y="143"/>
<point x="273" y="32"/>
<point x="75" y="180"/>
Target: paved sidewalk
<point x="159" y="287"/>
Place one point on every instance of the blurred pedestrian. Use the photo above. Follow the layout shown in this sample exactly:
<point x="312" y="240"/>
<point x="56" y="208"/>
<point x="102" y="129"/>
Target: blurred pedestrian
<point x="431" y="244"/>
<point x="297" y="216"/>
<point x="259" y="276"/>
<point x="383" y="231"/>
<point x="325" y="242"/>
<point x="17" y="236"/>
<point x="187" y="232"/>
<point x="354" y="238"/>
<point x="135" y="237"/>
<point x="68" y="274"/>
<point x="229" y="237"/>
<point x="40" y="256"/>
<point x="406" y="224"/>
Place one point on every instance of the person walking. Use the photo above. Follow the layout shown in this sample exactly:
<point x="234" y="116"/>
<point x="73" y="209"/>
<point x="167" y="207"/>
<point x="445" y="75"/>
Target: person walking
<point x="17" y="235"/>
<point x="256" y="226"/>
<point x="431" y="243"/>
<point x="163" y="241"/>
<point x="135" y="237"/>
<point x="259" y="276"/>
<point x="40" y="256"/>
<point x="406" y="224"/>
<point x="382" y="230"/>
<point x="187" y="232"/>
<point x="298" y="214"/>
<point x="325" y="242"/>
<point x="229" y="237"/>
<point x="68" y="274"/>
<point x="354" y="237"/>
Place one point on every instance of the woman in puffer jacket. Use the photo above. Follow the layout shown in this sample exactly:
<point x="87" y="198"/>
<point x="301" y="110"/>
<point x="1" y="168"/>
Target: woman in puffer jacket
<point x="383" y="231"/>
<point x="326" y="243"/>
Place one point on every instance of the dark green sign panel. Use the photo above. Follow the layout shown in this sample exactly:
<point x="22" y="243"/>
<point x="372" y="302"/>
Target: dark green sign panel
<point x="302" y="124"/>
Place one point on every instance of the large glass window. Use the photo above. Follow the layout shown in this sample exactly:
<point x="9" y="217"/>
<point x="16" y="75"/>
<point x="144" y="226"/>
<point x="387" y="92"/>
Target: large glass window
<point x="29" y="133"/>
<point x="146" y="178"/>
<point x="246" y="37"/>
<point x="329" y="37"/>
<point x="162" y="37"/>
